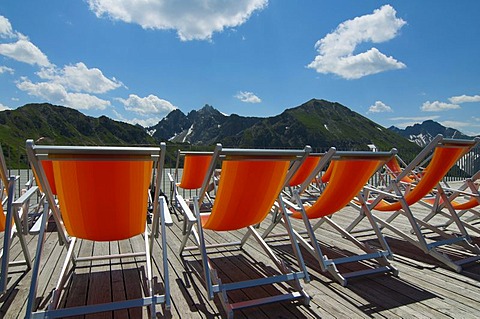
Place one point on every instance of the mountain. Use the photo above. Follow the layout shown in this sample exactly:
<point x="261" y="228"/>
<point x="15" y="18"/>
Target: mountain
<point x="206" y="126"/>
<point x="318" y="123"/>
<point x="61" y="125"/>
<point x="423" y="133"/>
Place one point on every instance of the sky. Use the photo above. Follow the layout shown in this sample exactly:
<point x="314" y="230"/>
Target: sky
<point x="395" y="62"/>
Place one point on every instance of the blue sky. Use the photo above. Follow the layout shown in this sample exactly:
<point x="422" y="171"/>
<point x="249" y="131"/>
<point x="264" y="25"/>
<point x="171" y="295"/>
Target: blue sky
<point x="395" y="62"/>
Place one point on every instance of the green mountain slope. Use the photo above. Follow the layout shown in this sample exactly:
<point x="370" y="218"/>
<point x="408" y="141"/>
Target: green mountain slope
<point x="322" y="124"/>
<point x="62" y="126"/>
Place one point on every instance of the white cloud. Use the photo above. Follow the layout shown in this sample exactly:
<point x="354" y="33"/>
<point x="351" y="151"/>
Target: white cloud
<point x="4" y="69"/>
<point x="464" y="99"/>
<point x="248" y="97"/>
<point x="5" y="28"/>
<point x="414" y="118"/>
<point x="379" y="107"/>
<point x="193" y="19"/>
<point x="147" y="105"/>
<point x="57" y="94"/>
<point x="3" y="107"/>
<point x="438" y="106"/>
<point x="336" y="49"/>
<point x="455" y="124"/>
<point x="24" y="51"/>
<point x="147" y="122"/>
<point x="70" y="86"/>
<point x="79" y="78"/>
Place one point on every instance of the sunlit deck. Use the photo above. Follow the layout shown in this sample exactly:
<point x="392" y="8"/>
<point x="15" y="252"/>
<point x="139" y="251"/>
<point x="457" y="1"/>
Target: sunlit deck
<point x="424" y="288"/>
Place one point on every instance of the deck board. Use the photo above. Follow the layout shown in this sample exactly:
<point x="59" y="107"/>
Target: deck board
<point x="424" y="288"/>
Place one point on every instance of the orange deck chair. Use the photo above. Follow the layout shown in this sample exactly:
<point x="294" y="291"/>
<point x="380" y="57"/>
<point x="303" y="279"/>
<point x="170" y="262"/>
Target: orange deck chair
<point x="12" y="222"/>
<point x="303" y="172"/>
<point x="393" y="169"/>
<point x="195" y="167"/>
<point x="348" y="172"/>
<point x="250" y="183"/>
<point x="103" y="196"/>
<point x="446" y="152"/>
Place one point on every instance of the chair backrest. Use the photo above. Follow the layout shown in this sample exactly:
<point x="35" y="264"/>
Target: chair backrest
<point x="250" y="182"/>
<point x="446" y="153"/>
<point x="350" y="172"/>
<point x="395" y="169"/>
<point x="305" y="169"/>
<point x="195" y="167"/>
<point x="3" y="176"/>
<point x="328" y="173"/>
<point x="4" y="189"/>
<point x="48" y="169"/>
<point x="471" y="203"/>
<point x="102" y="191"/>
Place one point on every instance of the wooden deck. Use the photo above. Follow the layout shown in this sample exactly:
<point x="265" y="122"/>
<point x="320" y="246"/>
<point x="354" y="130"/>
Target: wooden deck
<point x="424" y="288"/>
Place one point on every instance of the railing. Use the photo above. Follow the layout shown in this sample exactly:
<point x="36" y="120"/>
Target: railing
<point x="466" y="166"/>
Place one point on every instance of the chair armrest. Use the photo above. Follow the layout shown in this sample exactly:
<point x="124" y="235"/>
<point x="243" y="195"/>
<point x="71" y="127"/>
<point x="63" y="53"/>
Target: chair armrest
<point x="166" y="213"/>
<point x="462" y="192"/>
<point x="376" y="190"/>
<point x="25" y="197"/>
<point x="186" y="210"/>
<point x="290" y="204"/>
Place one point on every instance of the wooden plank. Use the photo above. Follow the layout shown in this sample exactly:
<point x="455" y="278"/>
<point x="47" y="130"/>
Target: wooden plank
<point x="424" y="288"/>
<point x="99" y="285"/>
<point x="131" y="269"/>
<point x="77" y="294"/>
<point x="118" y="284"/>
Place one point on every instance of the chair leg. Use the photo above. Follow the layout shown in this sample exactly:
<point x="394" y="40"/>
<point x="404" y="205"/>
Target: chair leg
<point x="32" y="296"/>
<point x="203" y="251"/>
<point x="63" y="275"/>
<point x="7" y="237"/>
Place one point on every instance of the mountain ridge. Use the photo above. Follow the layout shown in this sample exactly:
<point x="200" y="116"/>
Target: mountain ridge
<point x="53" y="124"/>
<point x="318" y="123"/>
<point x="423" y="133"/>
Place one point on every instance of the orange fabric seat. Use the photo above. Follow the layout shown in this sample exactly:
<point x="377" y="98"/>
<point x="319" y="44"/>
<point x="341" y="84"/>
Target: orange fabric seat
<point x="395" y="169"/>
<point x="350" y="176"/>
<point x="443" y="159"/>
<point x="256" y="182"/>
<point x="304" y="170"/>
<point x="100" y="207"/>
<point x="195" y="169"/>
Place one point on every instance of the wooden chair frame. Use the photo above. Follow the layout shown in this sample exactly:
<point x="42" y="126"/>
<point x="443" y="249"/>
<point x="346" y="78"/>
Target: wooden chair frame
<point x="161" y="218"/>
<point x="303" y="210"/>
<point x="197" y="234"/>
<point x="13" y="223"/>
<point x="402" y="202"/>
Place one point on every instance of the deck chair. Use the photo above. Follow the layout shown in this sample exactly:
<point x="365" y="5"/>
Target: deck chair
<point x="465" y="200"/>
<point x="103" y="196"/>
<point x="195" y="167"/>
<point x="303" y="172"/>
<point x="250" y="183"/>
<point x="444" y="153"/>
<point x="394" y="167"/>
<point x="348" y="172"/>
<point x="11" y="224"/>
